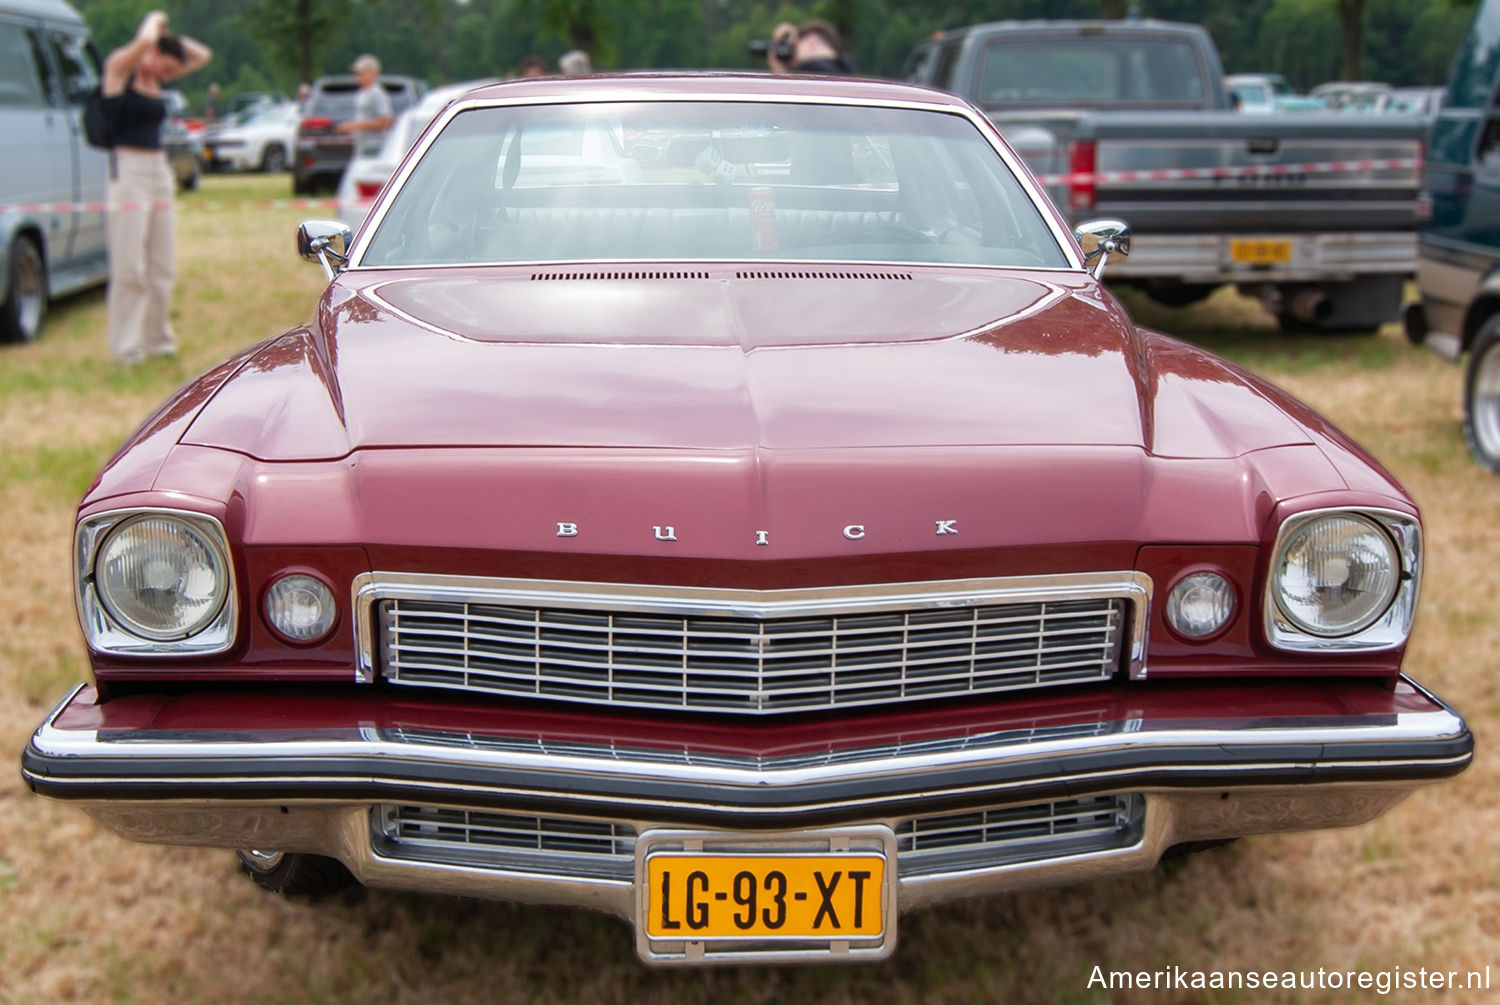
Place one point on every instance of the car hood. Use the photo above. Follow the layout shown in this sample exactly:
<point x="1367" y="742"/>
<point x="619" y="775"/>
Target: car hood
<point x="731" y="360"/>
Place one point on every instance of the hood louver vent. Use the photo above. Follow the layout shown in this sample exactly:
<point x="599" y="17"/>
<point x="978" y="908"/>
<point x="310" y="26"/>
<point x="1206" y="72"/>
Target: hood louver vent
<point x="552" y="276"/>
<point x="823" y="275"/>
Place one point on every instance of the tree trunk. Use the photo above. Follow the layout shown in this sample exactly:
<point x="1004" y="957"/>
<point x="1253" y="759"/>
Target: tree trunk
<point x="1351" y="21"/>
<point x="305" y="41"/>
<point x="1112" y="10"/>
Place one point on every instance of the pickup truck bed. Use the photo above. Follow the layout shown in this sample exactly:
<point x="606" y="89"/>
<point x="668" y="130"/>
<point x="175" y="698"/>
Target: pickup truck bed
<point x="1316" y="213"/>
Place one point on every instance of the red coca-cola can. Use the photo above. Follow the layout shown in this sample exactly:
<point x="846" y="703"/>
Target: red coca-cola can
<point x="763" y="219"/>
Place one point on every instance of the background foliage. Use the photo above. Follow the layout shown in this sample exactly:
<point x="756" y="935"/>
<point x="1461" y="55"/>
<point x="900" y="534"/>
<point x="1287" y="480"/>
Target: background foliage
<point x="272" y="44"/>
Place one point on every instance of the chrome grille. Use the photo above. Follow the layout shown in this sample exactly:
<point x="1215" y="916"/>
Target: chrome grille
<point x="927" y="845"/>
<point x="981" y="839"/>
<point x="566" y="846"/>
<point x="809" y="657"/>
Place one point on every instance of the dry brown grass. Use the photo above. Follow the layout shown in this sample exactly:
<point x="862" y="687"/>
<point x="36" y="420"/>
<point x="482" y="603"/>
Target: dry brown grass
<point x="89" y="917"/>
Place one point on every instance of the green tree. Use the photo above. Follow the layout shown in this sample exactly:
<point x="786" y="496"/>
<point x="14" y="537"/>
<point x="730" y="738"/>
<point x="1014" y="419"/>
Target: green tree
<point x="296" y="32"/>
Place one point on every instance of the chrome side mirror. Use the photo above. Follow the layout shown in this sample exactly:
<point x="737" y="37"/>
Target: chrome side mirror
<point x="1102" y="242"/>
<point x="320" y="240"/>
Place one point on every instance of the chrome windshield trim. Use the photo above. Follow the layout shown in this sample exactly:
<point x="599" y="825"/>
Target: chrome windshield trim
<point x="368" y="589"/>
<point x="1028" y="184"/>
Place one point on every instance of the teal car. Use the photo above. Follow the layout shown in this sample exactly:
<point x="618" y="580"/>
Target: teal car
<point x="1458" y="269"/>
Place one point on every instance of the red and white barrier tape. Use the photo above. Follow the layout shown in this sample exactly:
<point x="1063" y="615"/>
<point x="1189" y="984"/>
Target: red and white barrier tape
<point x="188" y="204"/>
<point x="1248" y="171"/>
<point x="1072" y="178"/>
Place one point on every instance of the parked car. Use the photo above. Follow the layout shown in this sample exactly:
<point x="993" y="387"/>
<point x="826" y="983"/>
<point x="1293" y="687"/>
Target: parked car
<point x="1426" y="101"/>
<point x="1352" y="95"/>
<point x="184" y="152"/>
<point x="247" y="101"/>
<point x="798" y="537"/>
<point x="1458" y="271"/>
<point x="367" y="174"/>
<point x="51" y="242"/>
<point x="1316" y="215"/>
<point x="1253" y="93"/>
<point x="260" y="138"/>
<point x="1270" y="92"/>
<point x="322" y="153"/>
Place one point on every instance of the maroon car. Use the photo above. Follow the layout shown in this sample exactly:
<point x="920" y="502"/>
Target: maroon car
<point x="734" y="504"/>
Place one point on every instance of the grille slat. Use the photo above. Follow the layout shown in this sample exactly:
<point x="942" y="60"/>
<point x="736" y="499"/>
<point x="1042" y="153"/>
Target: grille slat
<point x="957" y="842"/>
<point x="764" y="664"/>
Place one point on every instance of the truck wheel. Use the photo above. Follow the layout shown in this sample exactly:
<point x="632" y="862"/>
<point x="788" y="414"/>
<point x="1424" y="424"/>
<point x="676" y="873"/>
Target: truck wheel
<point x="25" y="308"/>
<point x="273" y="160"/>
<point x="294" y="873"/>
<point x="1482" y="396"/>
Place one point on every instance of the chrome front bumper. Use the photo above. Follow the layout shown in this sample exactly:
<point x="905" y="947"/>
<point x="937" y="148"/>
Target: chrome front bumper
<point x="1325" y="257"/>
<point x="320" y="789"/>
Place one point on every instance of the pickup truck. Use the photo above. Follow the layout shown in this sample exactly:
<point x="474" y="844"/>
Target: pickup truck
<point x="1316" y="214"/>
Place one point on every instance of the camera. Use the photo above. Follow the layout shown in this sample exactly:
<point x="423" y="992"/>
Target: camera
<point x="781" y="48"/>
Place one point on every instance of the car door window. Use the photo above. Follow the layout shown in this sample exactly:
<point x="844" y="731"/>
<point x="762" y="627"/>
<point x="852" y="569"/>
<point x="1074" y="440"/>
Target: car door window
<point x="20" y="70"/>
<point x="78" y="64"/>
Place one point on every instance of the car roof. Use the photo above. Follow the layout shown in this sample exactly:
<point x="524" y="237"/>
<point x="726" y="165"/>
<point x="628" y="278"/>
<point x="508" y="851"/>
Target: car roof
<point x="712" y="86"/>
<point x="1072" y="26"/>
<point x="56" y="10"/>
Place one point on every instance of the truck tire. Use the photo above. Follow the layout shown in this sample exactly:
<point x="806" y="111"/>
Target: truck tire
<point x="293" y="873"/>
<point x="1174" y="294"/>
<point x="273" y="160"/>
<point x="25" y="309"/>
<point x="1482" y="396"/>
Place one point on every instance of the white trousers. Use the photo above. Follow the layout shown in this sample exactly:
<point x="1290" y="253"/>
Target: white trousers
<point x="142" y="256"/>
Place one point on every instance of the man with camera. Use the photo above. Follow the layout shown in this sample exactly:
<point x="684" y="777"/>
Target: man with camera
<point x="812" y="48"/>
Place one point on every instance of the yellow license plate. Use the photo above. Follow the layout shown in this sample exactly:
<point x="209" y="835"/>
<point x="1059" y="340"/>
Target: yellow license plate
<point x="699" y="897"/>
<point x="1260" y="251"/>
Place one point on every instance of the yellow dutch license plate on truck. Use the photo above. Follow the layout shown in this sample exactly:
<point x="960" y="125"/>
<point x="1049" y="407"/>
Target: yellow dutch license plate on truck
<point x="701" y="897"/>
<point x="1260" y="251"/>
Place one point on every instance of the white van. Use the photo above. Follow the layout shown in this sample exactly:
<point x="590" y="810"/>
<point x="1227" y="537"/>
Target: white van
<point x="48" y="245"/>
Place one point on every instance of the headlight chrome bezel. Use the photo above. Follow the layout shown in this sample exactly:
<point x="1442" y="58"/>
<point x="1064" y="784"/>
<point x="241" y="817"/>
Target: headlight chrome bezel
<point x="105" y="633"/>
<point x="1392" y="627"/>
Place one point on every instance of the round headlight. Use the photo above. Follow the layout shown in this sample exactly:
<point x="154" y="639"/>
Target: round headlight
<point x="300" y="607"/>
<point x="1336" y="575"/>
<point x="1200" y="605"/>
<point x="161" y="577"/>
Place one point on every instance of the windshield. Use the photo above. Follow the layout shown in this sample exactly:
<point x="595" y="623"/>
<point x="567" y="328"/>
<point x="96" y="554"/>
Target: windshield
<point x="711" y="180"/>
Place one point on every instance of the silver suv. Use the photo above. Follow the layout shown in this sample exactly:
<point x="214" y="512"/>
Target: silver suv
<point x="322" y="152"/>
<point x="52" y="221"/>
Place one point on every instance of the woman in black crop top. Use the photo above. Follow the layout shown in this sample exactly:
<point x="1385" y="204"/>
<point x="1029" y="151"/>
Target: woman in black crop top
<point x="141" y="224"/>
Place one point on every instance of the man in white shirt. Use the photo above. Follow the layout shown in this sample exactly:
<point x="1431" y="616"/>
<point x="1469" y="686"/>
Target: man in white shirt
<point x="372" y="107"/>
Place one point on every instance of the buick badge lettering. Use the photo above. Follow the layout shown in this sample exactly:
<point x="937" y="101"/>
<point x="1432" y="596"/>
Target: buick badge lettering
<point x="852" y="532"/>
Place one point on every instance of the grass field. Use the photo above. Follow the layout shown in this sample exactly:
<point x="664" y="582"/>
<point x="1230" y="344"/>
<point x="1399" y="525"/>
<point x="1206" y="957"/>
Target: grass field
<point x="89" y="917"/>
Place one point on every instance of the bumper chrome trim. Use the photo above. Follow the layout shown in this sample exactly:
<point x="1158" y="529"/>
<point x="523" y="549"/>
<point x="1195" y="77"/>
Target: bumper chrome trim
<point x="368" y="764"/>
<point x="313" y="792"/>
